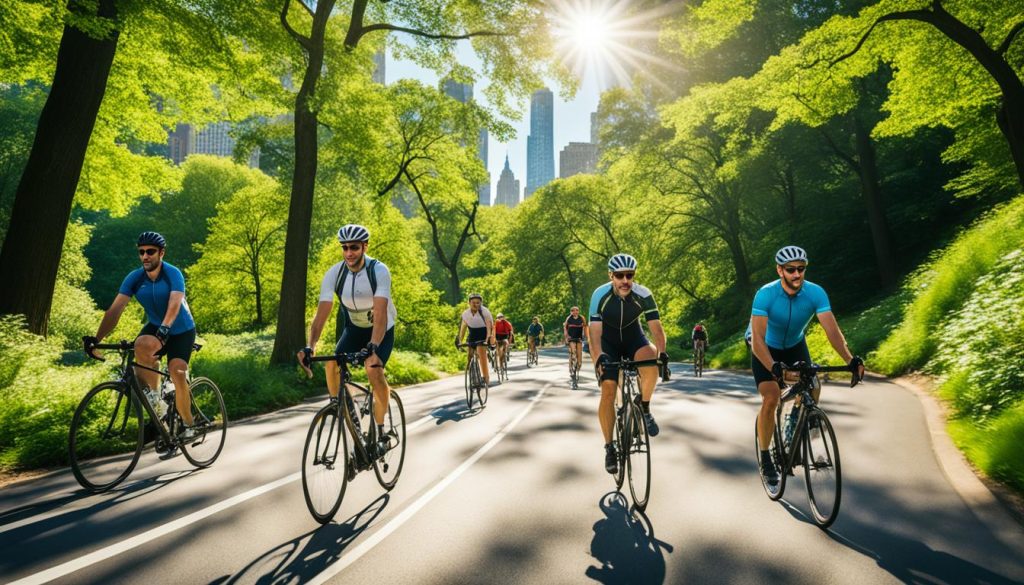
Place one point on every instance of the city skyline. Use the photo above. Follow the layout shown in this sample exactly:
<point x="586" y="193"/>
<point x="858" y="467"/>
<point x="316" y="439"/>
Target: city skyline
<point x="540" y="148"/>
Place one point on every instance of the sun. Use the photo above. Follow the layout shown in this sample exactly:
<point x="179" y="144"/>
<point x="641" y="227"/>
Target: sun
<point x="605" y="38"/>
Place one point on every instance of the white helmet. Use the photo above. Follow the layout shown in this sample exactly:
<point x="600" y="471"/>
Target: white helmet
<point x="621" y="262"/>
<point x="790" y="254"/>
<point x="353" y="233"/>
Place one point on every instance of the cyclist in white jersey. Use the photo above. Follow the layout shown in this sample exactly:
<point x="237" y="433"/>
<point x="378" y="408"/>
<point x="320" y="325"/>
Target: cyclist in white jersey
<point x="477" y="319"/>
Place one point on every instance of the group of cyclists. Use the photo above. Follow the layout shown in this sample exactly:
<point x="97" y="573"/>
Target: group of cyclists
<point x="781" y="311"/>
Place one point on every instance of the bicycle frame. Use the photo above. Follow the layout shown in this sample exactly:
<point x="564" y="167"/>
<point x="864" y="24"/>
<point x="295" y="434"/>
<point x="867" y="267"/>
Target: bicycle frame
<point x="802" y="389"/>
<point x="343" y="360"/>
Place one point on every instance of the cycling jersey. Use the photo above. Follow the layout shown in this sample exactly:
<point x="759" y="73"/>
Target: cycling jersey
<point x="502" y="327"/>
<point x="476" y="320"/>
<point x="535" y="329"/>
<point x="699" y="333"/>
<point x="574" y="327"/>
<point x="788" y="316"/>
<point x="154" y="296"/>
<point x="357" y="294"/>
<point x="620" y="313"/>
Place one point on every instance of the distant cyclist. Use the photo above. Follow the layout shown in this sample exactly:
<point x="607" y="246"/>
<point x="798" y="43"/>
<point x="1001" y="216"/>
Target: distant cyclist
<point x="169" y="330"/>
<point x="504" y="334"/>
<point x="781" y="311"/>
<point x="478" y="321"/>
<point x="575" y="329"/>
<point x="534" y="334"/>
<point x="699" y="338"/>
<point x="363" y="285"/>
<point x="616" y="332"/>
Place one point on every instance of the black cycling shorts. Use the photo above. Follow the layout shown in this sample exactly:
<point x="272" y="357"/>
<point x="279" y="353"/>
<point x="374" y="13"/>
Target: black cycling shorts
<point x="477" y="334"/>
<point x="501" y="336"/>
<point x="354" y="339"/>
<point x="177" y="346"/>
<point x="788" y="356"/>
<point x="616" y="350"/>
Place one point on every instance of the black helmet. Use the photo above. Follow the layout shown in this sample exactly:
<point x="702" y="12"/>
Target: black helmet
<point x="152" y="239"/>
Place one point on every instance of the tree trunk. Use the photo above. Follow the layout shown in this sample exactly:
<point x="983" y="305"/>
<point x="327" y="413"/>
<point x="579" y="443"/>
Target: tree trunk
<point x="42" y="205"/>
<point x="871" y="189"/>
<point x="259" y="290"/>
<point x="1010" y="118"/>
<point x="291" y="311"/>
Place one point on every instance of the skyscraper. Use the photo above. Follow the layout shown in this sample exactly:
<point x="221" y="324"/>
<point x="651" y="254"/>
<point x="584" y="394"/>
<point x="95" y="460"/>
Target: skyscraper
<point x="593" y="128"/>
<point x="463" y="92"/>
<point x="540" y="144"/>
<point x="508" y="188"/>
<point x="213" y="139"/>
<point x="380" y="67"/>
<point x="577" y="158"/>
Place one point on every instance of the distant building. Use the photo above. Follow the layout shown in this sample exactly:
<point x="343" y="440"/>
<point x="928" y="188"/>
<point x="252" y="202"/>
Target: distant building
<point x="508" y="188"/>
<point x="380" y="67"/>
<point x="540" y="144"/>
<point x="577" y="158"/>
<point x="213" y="139"/>
<point x="463" y="92"/>
<point x="593" y="128"/>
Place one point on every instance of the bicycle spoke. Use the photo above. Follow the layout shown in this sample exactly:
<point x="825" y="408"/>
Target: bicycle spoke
<point x="210" y="422"/>
<point x="639" y="459"/>
<point x="324" y="464"/>
<point x="106" y="437"/>
<point x="821" y="468"/>
<point x="388" y="466"/>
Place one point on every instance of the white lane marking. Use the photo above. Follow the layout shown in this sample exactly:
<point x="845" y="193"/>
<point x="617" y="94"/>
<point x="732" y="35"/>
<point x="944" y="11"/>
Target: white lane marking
<point x="138" y="540"/>
<point x="411" y="510"/>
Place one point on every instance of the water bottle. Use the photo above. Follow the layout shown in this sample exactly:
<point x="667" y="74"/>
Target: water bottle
<point x="154" y="400"/>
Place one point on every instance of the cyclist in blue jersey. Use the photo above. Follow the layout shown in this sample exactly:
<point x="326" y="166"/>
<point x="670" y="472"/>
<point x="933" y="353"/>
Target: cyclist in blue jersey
<point x="781" y="311"/>
<point x="169" y="331"/>
<point x="616" y="308"/>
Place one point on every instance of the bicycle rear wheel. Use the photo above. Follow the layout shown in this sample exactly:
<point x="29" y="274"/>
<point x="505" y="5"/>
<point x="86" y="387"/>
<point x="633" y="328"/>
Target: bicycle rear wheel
<point x="106" y="436"/>
<point x="621" y="446"/>
<point x="388" y="467"/>
<point x="469" y="384"/>
<point x="639" y="459"/>
<point x="821" y="468"/>
<point x="775" y="452"/>
<point x="325" y="464"/>
<point x="211" y="423"/>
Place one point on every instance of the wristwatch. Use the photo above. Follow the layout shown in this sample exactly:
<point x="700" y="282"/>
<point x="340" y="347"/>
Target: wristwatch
<point x="372" y="347"/>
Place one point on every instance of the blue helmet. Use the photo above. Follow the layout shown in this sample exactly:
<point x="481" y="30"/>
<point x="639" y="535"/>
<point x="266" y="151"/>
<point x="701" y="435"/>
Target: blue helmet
<point x="621" y="262"/>
<point x="151" y="239"/>
<point x="790" y="254"/>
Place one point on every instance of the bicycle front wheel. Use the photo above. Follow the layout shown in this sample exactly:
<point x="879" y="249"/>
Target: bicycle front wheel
<point x="821" y="468"/>
<point x="325" y="464"/>
<point x="639" y="459"/>
<point x="481" y="389"/>
<point x="106" y="436"/>
<point x="469" y="385"/>
<point x="621" y="446"/>
<point x="389" y="466"/>
<point x="210" y="420"/>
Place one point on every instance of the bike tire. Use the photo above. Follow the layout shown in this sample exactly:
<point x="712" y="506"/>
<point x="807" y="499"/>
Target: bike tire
<point x="211" y="420"/>
<point x="617" y="440"/>
<point x="325" y="464"/>
<point x="481" y="391"/>
<point x="106" y="436"/>
<point x="469" y="384"/>
<point x="774" y="450"/>
<point x="638" y="459"/>
<point x="388" y="467"/>
<point x="822" y="468"/>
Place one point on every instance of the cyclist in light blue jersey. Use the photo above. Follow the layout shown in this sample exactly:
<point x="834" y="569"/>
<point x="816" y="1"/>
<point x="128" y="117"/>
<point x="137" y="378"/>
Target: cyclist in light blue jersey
<point x="781" y="312"/>
<point x="169" y="330"/>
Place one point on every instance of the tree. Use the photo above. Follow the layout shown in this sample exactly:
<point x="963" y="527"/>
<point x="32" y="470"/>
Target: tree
<point x="510" y="37"/>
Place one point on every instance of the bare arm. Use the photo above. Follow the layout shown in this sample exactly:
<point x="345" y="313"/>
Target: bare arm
<point x="112" y="315"/>
<point x="758" y="327"/>
<point x="835" y="335"/>
<point x="323" y="311"/>
<point x="462" y="331"/>
<point x="658" y="333"/>
<point x="380" y="320"/>
<point x="595" y="340"/>
<point x="173" y="307"/>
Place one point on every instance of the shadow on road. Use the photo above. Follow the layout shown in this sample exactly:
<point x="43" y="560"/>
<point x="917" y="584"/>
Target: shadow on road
<point x="625" y="545"/>
<point x="306" y="556"/>
<point x="454" y="412"/>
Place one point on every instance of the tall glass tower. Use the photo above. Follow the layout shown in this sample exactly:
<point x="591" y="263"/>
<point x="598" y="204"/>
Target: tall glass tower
<point x="540" y="144"/>
<point x="463" y="92"/>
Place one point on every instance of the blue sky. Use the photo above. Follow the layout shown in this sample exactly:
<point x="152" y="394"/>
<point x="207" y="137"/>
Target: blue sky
<point x="571" y="119"/>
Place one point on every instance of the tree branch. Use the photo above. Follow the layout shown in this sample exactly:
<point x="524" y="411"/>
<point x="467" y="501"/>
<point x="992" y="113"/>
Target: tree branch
<point x="1005" y="45"/>
<point x="299" y="38"/>
<point x="922" y="15"/>
<point x="424" y="34"/>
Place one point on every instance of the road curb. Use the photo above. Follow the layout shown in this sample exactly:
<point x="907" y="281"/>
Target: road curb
<point x="979" y="499"/>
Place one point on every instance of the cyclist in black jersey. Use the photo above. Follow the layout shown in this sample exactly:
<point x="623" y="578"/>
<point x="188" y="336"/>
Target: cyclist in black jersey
<point x="615" y="333"/>
<point x="575" y="329"/>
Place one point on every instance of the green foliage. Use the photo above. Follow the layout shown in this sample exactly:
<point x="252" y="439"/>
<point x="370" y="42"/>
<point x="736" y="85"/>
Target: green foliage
<point x="237" y="279"/>
<point x="730" y="353"/>
<point x="945" y="283"/>
<point x="995" y="447"/>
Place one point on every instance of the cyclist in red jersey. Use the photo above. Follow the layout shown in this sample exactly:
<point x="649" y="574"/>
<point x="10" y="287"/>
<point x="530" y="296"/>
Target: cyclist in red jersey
<point x="505" y="334"/>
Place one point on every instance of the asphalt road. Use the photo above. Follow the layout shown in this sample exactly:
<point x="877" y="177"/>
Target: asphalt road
<point x="517" y="493"/>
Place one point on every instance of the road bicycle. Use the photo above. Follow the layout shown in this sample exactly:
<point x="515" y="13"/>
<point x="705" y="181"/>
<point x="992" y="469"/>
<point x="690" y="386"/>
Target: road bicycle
<point x="344" y="439"/>
<point x="497" y="366"/>
<point x="811" y="443"/>
<point x="531" y="354"/>
<point x="633" y="445"/>
<point x="474" y="378"/>
<point x="698" y="360"/>
<point x="108" y="432"/>
<point x="574" y="365"/>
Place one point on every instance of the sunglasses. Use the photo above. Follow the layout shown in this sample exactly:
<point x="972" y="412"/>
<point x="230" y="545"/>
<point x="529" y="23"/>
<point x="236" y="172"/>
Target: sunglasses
<point x="148" y="251"/>
<point x="351" y="247"/>
<point x="623" y="275"/>
<point x="794" y="269"/>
